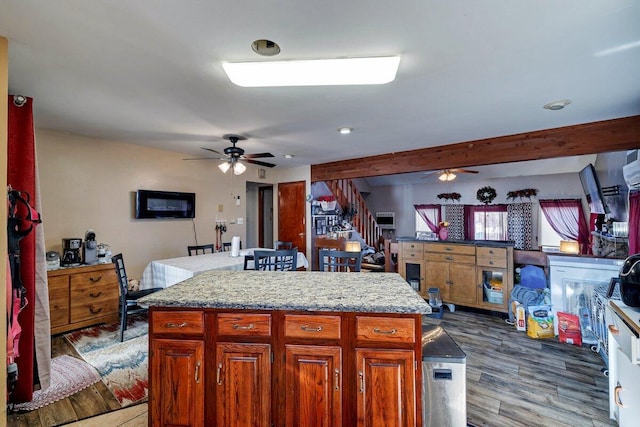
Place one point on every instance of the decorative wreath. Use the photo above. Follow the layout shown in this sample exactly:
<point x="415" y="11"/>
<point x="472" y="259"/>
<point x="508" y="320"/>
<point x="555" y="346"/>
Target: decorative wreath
<point x="449" y="196"/>
<point x="526" y="192"/>
<point x="486" y="195"/>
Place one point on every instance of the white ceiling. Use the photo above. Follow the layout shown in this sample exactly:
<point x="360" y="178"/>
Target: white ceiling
<point x="149" y="71"/>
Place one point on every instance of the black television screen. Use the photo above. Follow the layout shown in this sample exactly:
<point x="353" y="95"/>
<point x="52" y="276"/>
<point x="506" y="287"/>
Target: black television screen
<point x="165" y="204"/>
<point x="592" y="189"/>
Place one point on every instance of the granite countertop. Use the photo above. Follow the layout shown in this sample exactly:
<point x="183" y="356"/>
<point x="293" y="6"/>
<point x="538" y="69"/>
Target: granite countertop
<point x="493" y="243"/>
<point x="293" y="290"/>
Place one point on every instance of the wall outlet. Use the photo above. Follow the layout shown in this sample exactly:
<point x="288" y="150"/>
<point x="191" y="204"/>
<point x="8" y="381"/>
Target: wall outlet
<point x="240" y="221"/>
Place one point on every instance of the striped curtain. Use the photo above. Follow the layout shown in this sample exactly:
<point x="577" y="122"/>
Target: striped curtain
<point x="520" y="224"/>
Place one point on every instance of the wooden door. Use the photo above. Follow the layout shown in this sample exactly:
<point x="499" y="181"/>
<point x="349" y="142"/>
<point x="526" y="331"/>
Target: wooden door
<point x="292" y="213"/>
<point x="386" y="388"/>
<point x="243" y="385"/>
<point x="177" y="382"/>
<point x="313" y="386"/>
<point x="462" y="289"/>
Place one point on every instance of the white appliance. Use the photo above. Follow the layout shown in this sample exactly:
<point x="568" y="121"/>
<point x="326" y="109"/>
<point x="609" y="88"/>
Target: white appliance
<point x="572" y="281"/>
<point x="624" y="364"/>
<point x="631" y="173"/>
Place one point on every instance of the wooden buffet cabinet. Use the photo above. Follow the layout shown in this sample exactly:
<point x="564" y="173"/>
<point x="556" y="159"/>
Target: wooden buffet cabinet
<point x="82" y="296"/>
<point x="283" y="367"/>
<point x="460" y="270"/>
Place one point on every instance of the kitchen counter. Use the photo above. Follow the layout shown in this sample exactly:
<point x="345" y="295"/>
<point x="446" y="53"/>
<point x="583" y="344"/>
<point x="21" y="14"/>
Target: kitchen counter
<point x="303" y="291"/>
<point x="492" y="243"/>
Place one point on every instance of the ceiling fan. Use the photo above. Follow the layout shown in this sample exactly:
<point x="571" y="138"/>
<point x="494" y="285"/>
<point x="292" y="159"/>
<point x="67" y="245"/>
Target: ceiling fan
<point x="448" y="174"/>
<point x="233" y="155"/>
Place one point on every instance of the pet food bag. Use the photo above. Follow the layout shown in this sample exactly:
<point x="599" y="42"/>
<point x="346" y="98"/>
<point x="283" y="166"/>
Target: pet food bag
<point x="540" y="321"/>
<point x="569" y="328"/>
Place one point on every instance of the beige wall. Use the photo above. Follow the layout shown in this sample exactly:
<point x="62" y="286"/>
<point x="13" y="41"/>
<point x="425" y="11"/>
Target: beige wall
<point x="90" y="183"/>
<point x="4" y="45"/>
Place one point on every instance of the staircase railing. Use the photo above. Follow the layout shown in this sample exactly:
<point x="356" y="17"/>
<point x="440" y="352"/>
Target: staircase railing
<point x="354" y="205"/>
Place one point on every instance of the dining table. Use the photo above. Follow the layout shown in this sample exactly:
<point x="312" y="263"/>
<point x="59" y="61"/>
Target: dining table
<point x="163" y="273"/>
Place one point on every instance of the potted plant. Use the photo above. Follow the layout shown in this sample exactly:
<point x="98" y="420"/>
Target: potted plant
<point x="327" y="202"/>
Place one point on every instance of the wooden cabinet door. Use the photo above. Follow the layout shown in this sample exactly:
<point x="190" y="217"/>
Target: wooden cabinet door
<point x="58" y="302"/>
<point x="177" y="383"/>
<point x="243" y="385"/>
<point x="386" y="393"/>
<point x="437" y="276"/>
<point x="313" y="386"/>
<point x="462" y="284"/>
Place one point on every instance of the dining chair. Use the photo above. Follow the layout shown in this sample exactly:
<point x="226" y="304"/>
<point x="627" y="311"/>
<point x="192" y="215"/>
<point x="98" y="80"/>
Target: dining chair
<point x="341" y="261"/>
<point x="201" y="249"/>
<point x="226" y="246"/>
<point x="128" y="299"/>
<point x="275" y="260"/>
<point x="279" y="244"/>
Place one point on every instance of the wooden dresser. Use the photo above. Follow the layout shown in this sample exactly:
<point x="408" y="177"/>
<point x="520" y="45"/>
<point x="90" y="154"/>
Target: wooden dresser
<point x="82" y="296"/>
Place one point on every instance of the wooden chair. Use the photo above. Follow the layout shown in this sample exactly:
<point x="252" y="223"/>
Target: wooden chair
<point x="279" y="244"/>
<point x="128" y="299"/>
<point x="341" y="261"/>
<point x="226" y="246"/>
<point x="201" y="249"/>
<point x="276" y="260"/>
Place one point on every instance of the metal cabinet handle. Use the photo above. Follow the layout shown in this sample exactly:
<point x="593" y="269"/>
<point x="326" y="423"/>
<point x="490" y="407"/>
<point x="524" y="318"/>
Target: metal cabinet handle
<point x="448" y="249"/>
<point x="361" y="376"/>
<point x="613" y="329"/>
<point x="336" y="379"/>
<point x="92" y="280"/>
<point x="175" y="325"/>
<point x="197" y="377"/>
<point x="617" y="396"/>
<point x="380" y="331"/>
<point x="449" y="258"/>
<point x="310" y="329"/>
<point x="490" y="262"/>
<point x="94" y="311"/>
<point x="236" y="326"/>
<point x="218" y="377"/>
<point x="92" y="295"/>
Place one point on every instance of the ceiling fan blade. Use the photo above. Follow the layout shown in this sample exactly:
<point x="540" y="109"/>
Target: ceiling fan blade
<point x="212" y="150"/>
<point x="428" y="173"/>
<point x="256" y="162"/>
<point x="257" y="156"/>
<point x="463" y="171"/>
<point x="207" y="158"/>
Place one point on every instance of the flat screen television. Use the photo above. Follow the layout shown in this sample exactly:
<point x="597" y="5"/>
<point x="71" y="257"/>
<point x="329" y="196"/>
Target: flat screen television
<point x="592" y="189"/>
<point x="165" y="204"/>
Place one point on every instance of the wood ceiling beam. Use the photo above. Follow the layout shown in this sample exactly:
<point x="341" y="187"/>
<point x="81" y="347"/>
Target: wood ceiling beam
<point x="590" y="138"/>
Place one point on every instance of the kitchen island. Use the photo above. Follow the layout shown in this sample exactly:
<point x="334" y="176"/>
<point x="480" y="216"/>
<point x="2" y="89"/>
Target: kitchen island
<point x="286" y="349"/>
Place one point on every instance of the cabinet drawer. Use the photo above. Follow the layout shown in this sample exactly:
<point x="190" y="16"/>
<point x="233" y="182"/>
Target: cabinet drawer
<point x="453" y="258"/>
<point x="628" y="342"/>
<point x="492" y="262"/>
<point x="178" y="322"/>
<point x="410" y="254"/>
<point x="96" y="279"/>
<point x="450" y="248"/>
<point x="388" y="329"/>
<point x="491" y="252"/>
<point x="89" y="300"/>
<point x="244" y="324"/>
<point x="310" y="326"/>
<point x="412" y="246"/>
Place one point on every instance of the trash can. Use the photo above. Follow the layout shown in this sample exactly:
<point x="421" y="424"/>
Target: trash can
<point x="444" y="379"/>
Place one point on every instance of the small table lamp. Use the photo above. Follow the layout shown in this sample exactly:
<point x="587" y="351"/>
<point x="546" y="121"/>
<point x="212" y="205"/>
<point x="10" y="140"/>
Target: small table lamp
<point x="353" y="246"/>
<point x="569" y="247"/>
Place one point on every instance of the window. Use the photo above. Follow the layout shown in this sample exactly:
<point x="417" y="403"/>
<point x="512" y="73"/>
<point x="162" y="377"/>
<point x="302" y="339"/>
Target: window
<point x="548" y="236"/>
<point x="427" y="217"/>
<point x="486" y="222"/>
<point x="421" y="224"/>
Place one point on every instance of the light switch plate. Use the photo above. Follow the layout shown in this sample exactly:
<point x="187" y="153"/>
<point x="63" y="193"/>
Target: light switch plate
<point x="240" y="220"/>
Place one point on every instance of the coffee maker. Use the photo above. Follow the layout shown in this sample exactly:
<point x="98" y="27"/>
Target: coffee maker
<point x="90" y="248"/>
<point x="71" y="251"/>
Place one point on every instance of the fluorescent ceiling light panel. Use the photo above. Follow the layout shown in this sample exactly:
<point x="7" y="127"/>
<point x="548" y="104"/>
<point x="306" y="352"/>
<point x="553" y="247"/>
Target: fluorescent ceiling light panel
<point x="320" y="72"/>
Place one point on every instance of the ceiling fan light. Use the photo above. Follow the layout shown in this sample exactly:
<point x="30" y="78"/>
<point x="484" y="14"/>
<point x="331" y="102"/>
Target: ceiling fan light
<point x="239" y="168"/>
<point x="447" y="176"/>
<point x="224" y="167"/>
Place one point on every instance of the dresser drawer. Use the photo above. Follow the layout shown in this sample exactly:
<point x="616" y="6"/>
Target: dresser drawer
<point x="411" y="254"/>
<point x="89" y="300"/>
<point x="412" y="246"/>
<point x="452" y="257"/>
<point x="311" y="326"/>
<point x="258" y="325"/>
<point x="95" y="279"/>
<point x="178" y="322"/>
<point x="626" y="339"/>
<point x="495" y="262"/>
<point x="450" y="248"/>
<point x="387" y="329"/>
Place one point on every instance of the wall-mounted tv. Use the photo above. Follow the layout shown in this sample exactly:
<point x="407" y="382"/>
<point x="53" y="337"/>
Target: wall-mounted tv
<point x="165" y="204"/>
<point x="592" y="189"/>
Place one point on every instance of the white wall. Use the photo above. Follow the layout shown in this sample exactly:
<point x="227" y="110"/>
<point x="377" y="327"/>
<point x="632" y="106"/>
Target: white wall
<point x="90" y="183"/>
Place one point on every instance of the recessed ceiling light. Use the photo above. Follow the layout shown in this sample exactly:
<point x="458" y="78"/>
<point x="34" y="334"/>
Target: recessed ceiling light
<point x="289" y="156"/>
<point x="557" y="105"/>
<point x="345" y="130"/>
<point x="265" y="47"/>
<point x="320" y="72"/>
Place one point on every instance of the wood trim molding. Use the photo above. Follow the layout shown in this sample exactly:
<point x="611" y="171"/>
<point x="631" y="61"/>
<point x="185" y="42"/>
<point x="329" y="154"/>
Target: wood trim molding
<point x="590" y="138"/>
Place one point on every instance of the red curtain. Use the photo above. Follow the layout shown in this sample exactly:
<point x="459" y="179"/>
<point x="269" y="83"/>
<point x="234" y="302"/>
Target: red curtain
<point x="21" y="175"/>
<point x="567" y="219"/>
<point x="430" y="214"/>
<point x="634" y="223"/>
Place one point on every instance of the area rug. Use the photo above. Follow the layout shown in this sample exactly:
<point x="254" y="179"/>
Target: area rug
<point x="123" y="366"/>
<point x="69" y="375"/>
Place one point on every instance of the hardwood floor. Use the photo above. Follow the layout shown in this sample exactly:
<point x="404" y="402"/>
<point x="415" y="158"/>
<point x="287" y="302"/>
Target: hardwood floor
<point x="512" y="380"/>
